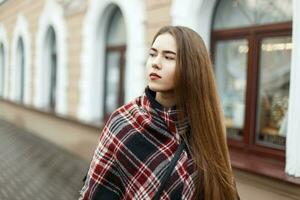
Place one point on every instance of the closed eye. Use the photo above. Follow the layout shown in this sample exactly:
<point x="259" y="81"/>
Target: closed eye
<point x="169" y="58"/>
<point x="151" y="54"/>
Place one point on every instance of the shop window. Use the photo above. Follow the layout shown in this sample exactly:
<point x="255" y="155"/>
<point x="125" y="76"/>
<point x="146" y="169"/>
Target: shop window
<point x="251" y="48"/>
<point x="273" y="90"/>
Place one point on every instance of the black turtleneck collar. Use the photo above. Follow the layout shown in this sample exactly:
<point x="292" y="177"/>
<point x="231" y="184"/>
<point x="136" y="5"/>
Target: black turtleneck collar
<point x="154" y="103"/>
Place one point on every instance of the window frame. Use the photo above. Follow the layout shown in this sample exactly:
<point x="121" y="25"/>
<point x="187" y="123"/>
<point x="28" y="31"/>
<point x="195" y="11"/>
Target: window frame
<point x="51" y="44"/>
<point x="3" y="70"/>
<point x="20" y="67"/>
<point x="254" y="35"/>
<point x="121" y="49"/>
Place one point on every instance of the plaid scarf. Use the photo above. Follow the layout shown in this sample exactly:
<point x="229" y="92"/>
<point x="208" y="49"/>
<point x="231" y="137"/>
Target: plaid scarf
<point x="135" y="147"/>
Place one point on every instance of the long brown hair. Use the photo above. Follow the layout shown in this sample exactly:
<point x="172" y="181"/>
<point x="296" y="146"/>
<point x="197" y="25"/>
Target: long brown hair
<point x="197" y="97"/>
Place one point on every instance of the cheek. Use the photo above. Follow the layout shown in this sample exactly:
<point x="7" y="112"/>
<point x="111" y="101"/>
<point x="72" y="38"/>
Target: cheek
<point x="171" y="72"/>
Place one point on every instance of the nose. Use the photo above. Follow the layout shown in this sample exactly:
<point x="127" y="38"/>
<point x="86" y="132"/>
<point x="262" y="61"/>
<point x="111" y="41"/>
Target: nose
<point x="156" y="62"/>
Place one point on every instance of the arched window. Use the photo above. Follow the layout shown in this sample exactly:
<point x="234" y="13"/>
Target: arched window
<point x="114" y="62"/>
<point x="252" y="44"/>
<point x="20" y="68"/>
<point x="51" y="60"/>
<point x="20" y="71"/>
<point x="2" y="69"/>
<point x="51" y="64"/>
<point x="97" y="53"/>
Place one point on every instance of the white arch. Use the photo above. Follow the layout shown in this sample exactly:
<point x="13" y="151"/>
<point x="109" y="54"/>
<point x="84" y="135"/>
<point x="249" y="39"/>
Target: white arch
<point x="4" y="41"/>
<point x="52" y="15"/>
<point x="194" y="14"/>
<point x="21" y="31"/>
<point x="92" y="60"/>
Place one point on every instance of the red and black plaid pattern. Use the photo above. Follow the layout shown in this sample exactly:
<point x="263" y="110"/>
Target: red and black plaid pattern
<point x="135" y="147"/>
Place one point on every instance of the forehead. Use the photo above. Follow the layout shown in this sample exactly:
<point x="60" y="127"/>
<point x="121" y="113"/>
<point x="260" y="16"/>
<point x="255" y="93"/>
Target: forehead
<point x="165" y="42"/>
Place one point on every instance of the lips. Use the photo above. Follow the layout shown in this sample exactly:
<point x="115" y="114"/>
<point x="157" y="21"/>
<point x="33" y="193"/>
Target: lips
<point x="154" y="76"/>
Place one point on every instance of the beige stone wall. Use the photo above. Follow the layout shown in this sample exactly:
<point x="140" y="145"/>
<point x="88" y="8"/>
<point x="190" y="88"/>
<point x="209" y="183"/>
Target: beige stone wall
<point x="74" y="21"/>
<point x="31" y="10"/>
<point x="157" y="15"/>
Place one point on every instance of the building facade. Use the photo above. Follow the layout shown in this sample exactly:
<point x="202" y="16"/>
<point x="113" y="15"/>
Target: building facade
<point x="65" y="65"/>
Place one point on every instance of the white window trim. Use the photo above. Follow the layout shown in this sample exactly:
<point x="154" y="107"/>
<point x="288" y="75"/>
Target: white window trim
<point x="194" y="14"/>
<point x="198" y="15"/>
<point x="4" y="41"/>
<point x="57" y="21"/>
<point x="92" y="61"/>
<point x="21" y="31"/>
<point x="293" y="134"/>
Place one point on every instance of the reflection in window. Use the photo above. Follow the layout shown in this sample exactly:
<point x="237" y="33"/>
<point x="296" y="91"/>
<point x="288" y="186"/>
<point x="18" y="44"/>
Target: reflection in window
<point x="115" y="63"/>
<point x="2" y="69"/>
<point x="274" y="81"/>
<point x="20" y="69"/>
<point x="231" y="68"/>
<point x="113" y="81"/>
<point x="242" y="13"/>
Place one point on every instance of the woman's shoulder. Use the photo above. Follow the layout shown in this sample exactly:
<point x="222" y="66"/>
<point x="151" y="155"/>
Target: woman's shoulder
<point x="126" y="113"/>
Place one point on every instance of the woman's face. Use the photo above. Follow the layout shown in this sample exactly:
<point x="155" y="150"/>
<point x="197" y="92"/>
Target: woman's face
<point x="161" y="64"/>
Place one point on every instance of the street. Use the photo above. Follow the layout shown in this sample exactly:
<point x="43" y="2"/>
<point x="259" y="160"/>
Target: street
<point x="34" y="169"/>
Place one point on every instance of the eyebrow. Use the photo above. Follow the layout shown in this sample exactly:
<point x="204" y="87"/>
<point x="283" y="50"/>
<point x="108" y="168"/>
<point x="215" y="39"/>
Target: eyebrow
<point x="164" y="51"/>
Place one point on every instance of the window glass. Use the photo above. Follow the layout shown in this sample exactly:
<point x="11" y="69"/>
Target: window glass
<point x="231" y="70"/>
<point x="52" y="63"/>
<point x="2" y="69"/>
<point x="116" y="34"/>
<point x="20" y="71"/>
<point x="273" y="97"/>
<point x="241" y="13"/>
<point x="112" y="84"/>
<point x="115" y="45"/>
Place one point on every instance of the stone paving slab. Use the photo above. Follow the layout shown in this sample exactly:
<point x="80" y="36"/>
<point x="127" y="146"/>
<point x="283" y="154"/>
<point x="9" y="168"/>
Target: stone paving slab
<point x="34" y="169"/>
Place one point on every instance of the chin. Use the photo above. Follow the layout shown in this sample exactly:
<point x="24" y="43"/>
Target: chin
<point x="153" y="87"/>
<point x="158" y="88"/>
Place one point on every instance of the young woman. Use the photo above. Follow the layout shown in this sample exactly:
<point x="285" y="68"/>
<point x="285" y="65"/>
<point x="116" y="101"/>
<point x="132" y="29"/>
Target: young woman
<point x="180" y="106"/>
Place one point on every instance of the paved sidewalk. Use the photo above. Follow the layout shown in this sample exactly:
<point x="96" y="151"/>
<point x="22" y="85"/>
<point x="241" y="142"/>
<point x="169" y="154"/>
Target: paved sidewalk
<point x="34" y="169"/>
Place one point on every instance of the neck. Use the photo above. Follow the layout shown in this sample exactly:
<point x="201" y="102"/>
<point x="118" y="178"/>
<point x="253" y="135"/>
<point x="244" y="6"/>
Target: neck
<point x="166" y="99"/>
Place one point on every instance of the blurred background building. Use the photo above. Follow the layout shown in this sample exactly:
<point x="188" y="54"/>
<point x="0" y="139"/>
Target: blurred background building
<point x="65" y="65"/>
